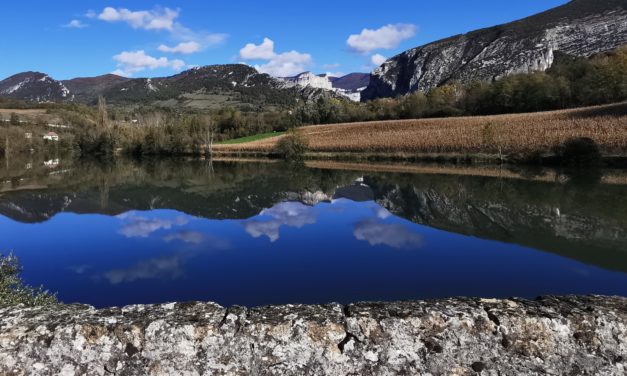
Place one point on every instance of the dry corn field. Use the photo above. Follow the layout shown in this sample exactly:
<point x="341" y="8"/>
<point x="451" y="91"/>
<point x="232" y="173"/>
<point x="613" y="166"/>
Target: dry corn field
<point x="509" y="134"/>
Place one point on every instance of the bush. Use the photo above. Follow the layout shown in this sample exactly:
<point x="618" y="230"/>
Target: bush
<point x="580" y="152"/>
<point x="13" y="291"/>
<point x="292" y="146"/>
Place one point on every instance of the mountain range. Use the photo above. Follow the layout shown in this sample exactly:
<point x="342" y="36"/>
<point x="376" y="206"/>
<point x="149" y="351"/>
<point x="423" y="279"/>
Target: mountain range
<point x="202" y="87"/>
<point x="579" y="28"/>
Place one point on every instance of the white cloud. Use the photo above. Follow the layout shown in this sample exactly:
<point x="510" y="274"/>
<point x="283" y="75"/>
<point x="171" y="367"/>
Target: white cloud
<point x="157" y="19"/>
<point x="130" y="62"/>
<point x="386" y="37"/>
<point x="264" y="51"/>
<point x="75" y="24"/>
<point x="390" y="234"/>
<point x="280" y="65"/>
<point x="335" y="74"/>
<point x="378" y="59"/>
<point x="181" y="48"/>
<point x="286" y="64"/>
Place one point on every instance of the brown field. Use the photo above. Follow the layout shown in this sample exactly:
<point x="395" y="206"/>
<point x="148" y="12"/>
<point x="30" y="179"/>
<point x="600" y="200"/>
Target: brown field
<point x="9" y="111"/>
<point x="508" y="134"/>
<point x="28" y="115"/>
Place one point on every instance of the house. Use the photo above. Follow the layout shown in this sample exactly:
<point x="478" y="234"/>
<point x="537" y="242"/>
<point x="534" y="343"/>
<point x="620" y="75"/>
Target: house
<point x="53" y="163"/>
<point x="51" y="136"/>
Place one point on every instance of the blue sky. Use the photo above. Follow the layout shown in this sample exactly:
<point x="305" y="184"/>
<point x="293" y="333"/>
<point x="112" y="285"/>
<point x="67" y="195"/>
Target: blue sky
<point x="145" y="39"/>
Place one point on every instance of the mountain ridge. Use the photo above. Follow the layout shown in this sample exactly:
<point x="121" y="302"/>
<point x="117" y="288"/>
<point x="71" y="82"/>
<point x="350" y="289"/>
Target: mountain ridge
<point x="579" y="28"/>
<point x="210" y="85"/>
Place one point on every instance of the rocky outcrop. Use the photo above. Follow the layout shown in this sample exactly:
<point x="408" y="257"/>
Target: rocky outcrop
<point x="308" y="79"/>
<point x="579" y="28"/>
<point x="34" y="86"/>
<point x="552" y="335"/>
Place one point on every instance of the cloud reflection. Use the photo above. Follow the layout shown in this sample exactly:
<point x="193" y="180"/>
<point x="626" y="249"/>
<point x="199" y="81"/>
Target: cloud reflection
<point x="136" y="226"/>
<point x="186" y="237"/>
<point x="392" y="235"/>
<point x="162" y="267"/>
<point x="291" y="214"/>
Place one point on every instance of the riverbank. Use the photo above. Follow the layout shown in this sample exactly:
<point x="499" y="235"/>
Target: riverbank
<point x="460" y="336"/>
<point x="534" y="138"/>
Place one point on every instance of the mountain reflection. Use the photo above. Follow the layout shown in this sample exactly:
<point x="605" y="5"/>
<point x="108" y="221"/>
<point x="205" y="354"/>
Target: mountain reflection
<point x="166" y="230"/>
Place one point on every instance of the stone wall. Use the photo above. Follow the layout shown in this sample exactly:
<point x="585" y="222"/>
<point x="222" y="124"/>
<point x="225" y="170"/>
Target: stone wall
<point x="552" y="335"/>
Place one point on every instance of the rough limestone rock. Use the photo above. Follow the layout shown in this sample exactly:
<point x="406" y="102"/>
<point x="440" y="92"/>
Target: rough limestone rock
<point x="578" y="28"/>
<point x="463" y="336"/>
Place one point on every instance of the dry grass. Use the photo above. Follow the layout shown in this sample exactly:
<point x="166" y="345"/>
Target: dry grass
<point x="517" y="133"/>
<point x="9" y="111"/>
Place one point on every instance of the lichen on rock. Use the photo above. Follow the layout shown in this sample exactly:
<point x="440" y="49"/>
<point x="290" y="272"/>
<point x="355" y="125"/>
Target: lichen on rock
<point x="460" y="336"/>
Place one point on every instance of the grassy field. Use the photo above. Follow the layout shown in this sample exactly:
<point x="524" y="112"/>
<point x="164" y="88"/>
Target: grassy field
<point x="507" y="134"/>
<point x="257" y="137"/>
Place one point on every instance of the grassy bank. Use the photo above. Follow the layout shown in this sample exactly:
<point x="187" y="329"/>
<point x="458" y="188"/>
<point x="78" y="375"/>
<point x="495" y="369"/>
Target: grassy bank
<point x="257" y="137"/>
<point x="513" y="138"/>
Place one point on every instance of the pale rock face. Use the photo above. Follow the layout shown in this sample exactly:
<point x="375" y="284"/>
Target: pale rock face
<point x="463" y="336"/>
<point x="579" y="28"/>
<point x="308" y="79"/>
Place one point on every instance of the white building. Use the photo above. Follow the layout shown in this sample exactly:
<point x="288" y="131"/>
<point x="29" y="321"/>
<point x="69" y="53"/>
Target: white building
<point x="51" y="136"/>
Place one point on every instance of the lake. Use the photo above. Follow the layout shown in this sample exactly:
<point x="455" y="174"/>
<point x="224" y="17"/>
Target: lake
<point x="262" y="232"/>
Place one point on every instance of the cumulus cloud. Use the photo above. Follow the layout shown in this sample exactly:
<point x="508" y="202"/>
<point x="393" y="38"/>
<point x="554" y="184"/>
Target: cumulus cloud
<point x="286" y="64"/>
<point x="157" y="19"/>
<point x="291" y="214"/>
<point x="263" y="51"/>
<point x="378" y="59"/>
<point x="134" y="225"/>
<point x="162" y="19"/>
<point x="390" y="234"/>
<point x="277" y="64"/>
<point x="130" y="62"/>
<point x="75" y="24"/>
<point x="386" y="37"/>
<point x="181" y="48"/>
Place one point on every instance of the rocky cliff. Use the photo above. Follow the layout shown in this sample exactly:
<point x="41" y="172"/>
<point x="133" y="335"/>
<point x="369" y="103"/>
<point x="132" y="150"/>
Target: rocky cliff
<point x="552" y="335"/>
<point x="34" y="86"/>
<point x="578" y="28"/>
<point x="308" y="79"/>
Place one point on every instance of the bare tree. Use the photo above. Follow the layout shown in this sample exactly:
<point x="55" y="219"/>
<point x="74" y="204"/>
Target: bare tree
<point x="102" y="119"/>
<point x="209" y="132"/>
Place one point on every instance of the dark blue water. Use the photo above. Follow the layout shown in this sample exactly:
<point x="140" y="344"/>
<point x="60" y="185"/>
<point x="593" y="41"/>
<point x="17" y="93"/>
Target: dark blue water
<point x="256" y="234"/>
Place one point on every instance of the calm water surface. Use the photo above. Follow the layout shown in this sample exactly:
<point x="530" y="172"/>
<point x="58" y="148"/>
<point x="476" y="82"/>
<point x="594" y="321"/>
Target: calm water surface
<point x="259" y="233"/>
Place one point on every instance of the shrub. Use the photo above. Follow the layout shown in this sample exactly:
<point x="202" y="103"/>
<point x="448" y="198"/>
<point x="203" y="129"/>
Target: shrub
<point x="293" y="146"/>
<point x="581" y="151"/>
<point x="13" y="291"/>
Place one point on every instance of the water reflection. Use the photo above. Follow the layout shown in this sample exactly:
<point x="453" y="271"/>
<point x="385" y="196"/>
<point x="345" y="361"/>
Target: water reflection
<point x="290" y="214"/>
<point x="258" y="233"/>
<point x="135" y="225"/>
